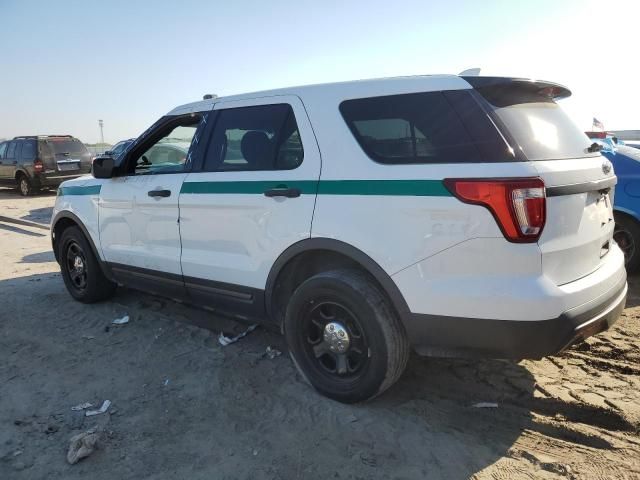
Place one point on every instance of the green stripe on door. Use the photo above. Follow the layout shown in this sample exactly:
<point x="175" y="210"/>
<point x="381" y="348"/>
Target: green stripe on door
<point x="84" y="190"/>
<point x="305" y="186"/>
<point x="424" y="188"/>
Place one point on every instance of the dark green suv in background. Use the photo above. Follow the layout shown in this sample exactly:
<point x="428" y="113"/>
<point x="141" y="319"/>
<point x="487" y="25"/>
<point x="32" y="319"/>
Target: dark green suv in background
<point x="43" y="161"/>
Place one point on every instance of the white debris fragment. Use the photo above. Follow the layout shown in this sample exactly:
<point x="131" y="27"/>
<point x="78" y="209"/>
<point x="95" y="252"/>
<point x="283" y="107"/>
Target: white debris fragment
<point x="105" y="406"/>
<point x="166" y="382"/>
<point x="121" y="321"/>
<point x="485" y="405"/>
<point x="224" y="340"/>
<point x="82" y="406"/>
<point x="272" y="352"/>
<point x="81" y="445"/>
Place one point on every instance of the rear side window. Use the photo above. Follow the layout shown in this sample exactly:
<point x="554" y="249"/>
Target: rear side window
<point x="538" y="126"/>
<point x="3" y="149"/>
<point x="28" y="150"/>
<point x="263" y="137"/>
<point x="433" y="127"/>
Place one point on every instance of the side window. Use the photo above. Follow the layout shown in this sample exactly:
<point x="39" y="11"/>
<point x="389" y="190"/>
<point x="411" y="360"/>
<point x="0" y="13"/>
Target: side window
<point x="3" y="150"/>
<point x="169" y="151"/>
<point x="424" y="128"/>
<point x="28" y="150"/>
<point x="263" y="137"/>
<point x="11" y="151"/>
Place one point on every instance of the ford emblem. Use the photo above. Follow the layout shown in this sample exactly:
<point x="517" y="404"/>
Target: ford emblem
<point x="606" y="167"/>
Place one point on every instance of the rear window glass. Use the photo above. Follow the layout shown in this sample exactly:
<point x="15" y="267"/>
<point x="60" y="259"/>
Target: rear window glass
<point x="63" y="146"/>
<point x="538" y="126"/>
<point x="432" y="127"/>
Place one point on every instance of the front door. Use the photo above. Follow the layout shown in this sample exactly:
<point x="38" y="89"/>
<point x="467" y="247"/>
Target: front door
<point x="139" y="214"/>
<point x="252" y="197"/>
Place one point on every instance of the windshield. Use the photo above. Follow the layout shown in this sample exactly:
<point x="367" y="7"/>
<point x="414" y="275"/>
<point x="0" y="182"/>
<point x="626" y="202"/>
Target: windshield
<point x="537" y="124"/>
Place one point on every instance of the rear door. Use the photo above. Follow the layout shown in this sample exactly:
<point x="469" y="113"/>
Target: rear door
<point x="252" y="198"/>
<point x="3" y="167"/>
<point x="579" y="181"/>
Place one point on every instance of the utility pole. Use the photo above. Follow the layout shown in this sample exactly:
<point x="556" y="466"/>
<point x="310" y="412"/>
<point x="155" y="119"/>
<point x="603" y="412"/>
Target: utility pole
<point x="101" y="124"/>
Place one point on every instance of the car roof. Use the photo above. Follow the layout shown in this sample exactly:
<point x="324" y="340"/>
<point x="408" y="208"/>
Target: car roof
<point x="353" y="88"/>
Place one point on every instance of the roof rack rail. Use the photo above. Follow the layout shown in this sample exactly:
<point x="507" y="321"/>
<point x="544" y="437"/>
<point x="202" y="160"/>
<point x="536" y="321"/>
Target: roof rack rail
<point x="24" y="137"/>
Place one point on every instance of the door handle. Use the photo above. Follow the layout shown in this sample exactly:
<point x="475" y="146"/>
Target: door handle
<point x="282" y="191"/>
<point x="159" y="193"/>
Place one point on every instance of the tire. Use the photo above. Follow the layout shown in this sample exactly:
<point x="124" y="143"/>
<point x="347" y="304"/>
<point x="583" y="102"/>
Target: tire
<point x="25" y="187"/>
<point x="80" y="269"/>
<point x="627" y="236"/>
<point x="376" y="351"/>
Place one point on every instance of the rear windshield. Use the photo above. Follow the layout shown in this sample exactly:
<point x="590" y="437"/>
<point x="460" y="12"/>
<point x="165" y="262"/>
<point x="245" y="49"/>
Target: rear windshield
<point x="64" y="146"/>
<point x="431" y="127"/>
<point x="536" y="124"/>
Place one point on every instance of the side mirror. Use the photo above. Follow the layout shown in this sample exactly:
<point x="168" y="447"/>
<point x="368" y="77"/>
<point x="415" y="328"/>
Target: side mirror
<point x="103" y="167"/>
<point x="109" y="152"/>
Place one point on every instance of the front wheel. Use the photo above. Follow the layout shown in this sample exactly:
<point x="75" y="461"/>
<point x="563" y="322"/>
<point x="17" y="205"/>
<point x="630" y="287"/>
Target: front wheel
<point x="80" y="269"/>
<point x="627" y="236"/>
<point x="344" y="336"/>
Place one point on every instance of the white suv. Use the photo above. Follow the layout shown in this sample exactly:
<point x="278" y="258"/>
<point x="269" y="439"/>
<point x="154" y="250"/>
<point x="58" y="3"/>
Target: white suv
<point x="456" y="216"/>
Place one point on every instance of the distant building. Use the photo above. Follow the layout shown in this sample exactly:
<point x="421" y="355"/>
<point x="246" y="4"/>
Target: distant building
<point x="626" y="134"/>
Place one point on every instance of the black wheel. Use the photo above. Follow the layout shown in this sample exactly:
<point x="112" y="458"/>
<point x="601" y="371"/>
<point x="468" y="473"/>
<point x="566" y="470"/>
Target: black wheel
<point x="627" y="236"/>
<point x="344" y="337"/>
<point x="25" y="187"/>
<point x="80" y="269"/>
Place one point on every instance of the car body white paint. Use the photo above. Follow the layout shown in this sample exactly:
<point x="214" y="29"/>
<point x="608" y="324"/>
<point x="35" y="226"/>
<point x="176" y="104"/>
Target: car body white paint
<point x="446" y="257"/>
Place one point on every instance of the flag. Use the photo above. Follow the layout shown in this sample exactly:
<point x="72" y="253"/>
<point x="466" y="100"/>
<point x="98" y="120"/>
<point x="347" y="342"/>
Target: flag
<point x="597" y="124"/>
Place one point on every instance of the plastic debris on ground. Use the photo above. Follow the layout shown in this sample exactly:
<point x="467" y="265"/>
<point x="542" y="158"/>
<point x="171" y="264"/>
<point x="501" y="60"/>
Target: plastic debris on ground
<point x="272" y="353"/>
<point x="82" y="406"/>
<point x="485" y="405"/>
<point x="81" y="446"/>
<point x="121" y="321"/>
<point x="166" y="382"/>
<point x="105" y="406"/>
<point x="224" y="340"/>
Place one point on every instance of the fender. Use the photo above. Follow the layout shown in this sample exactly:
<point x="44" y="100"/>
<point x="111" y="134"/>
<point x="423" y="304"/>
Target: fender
<point x="66" y="214"/>
<point x="365" y="261"/>
<point x="626" y="211"/>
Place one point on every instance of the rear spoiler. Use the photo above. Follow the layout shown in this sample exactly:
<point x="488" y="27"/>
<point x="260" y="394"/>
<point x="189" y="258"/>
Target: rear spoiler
<point x="551" y="90"/>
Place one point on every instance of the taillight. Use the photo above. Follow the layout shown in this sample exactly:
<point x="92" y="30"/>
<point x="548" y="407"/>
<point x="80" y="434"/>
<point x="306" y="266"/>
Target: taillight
<point x="38" y="166"/>
<point x="517" y="204"/>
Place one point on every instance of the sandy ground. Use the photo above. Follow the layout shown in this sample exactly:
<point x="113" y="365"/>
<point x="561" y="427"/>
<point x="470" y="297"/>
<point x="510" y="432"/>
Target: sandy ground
<point x="185" y="407"/>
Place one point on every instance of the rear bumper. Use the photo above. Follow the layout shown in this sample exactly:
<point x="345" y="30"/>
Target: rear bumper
<point x="435" y="335"/>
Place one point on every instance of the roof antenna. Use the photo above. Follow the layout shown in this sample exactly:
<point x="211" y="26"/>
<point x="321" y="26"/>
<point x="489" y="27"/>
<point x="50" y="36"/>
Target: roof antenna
<point x="470" y="72"/>
<point x="209" y="96"/>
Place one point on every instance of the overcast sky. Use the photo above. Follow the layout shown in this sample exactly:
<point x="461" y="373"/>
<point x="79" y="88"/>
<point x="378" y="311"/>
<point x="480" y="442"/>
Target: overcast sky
<point x="66" y="64"/>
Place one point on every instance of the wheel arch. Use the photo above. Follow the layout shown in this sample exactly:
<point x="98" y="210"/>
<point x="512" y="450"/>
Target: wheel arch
<point x="19" y="172"/>
<point x="66" y="219"/>
<point x="635" y="216"/>
<point x="328" y="251"/>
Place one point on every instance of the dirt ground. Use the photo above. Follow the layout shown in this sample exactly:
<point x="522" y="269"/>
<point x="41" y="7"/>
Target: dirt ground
<point x="186" y="407"/>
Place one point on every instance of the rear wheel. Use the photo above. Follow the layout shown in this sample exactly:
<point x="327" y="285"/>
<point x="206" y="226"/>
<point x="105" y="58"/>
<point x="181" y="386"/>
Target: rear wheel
<point x="344" y="337"/>
<point x="627" y="236"/>
<point x="80" y="269"/>
<point x="25" y="187"/>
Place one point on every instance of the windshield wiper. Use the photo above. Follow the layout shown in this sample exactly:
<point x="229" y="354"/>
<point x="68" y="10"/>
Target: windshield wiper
<point x="595" y="147"/>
